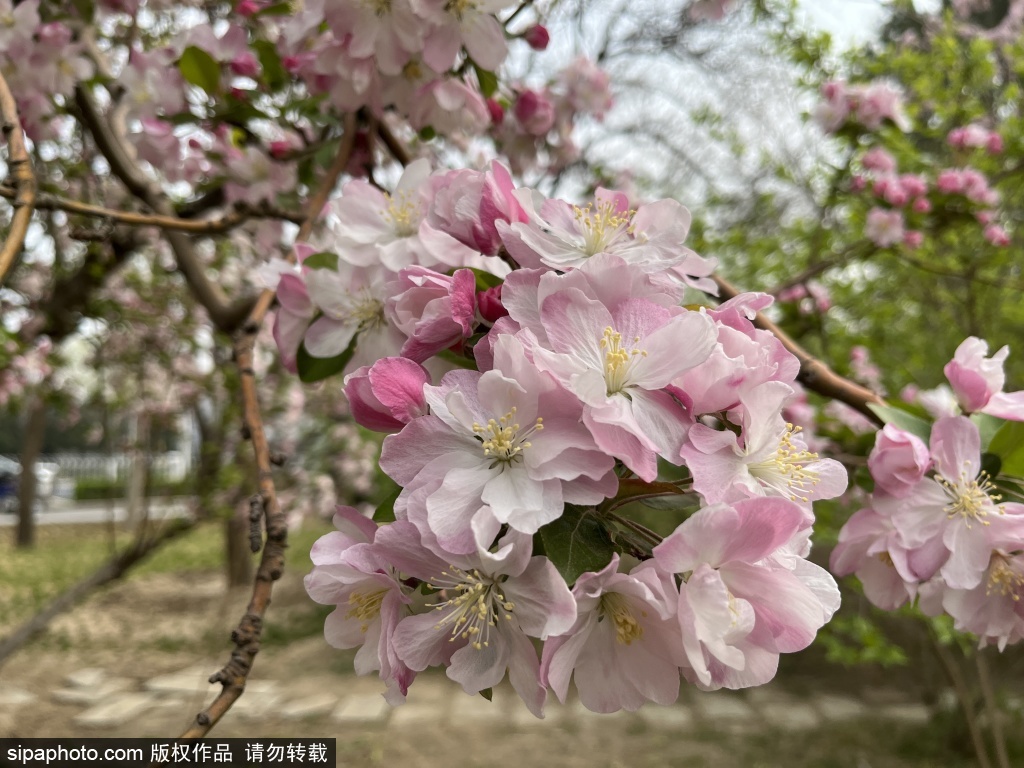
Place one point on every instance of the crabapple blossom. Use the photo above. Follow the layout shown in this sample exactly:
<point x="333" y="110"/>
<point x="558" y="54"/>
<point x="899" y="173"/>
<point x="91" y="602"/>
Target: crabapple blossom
<point x="978" y="380"/>
<point x="884" y="228"/>
<point x="433" y="310"/>
<point x="743" y="601"/>
<point x="387" y="395"/>
<point x="625" y="648"/>
<point x="488" y="606"/>
<point x="349" y="572"/>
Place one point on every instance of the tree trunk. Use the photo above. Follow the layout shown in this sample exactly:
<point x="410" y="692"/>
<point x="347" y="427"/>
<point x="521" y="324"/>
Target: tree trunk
<point x="32" y="446"/>
<point x="137" y="474"/>
<point x="236" y="533"/>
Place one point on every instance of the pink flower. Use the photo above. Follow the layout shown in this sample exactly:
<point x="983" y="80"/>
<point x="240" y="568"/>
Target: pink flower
<point x="953" y="511"/>
<point x="950" y="181"/>
<point x="978" y="381"/>
<point x="535" y="112"/>
<point x="877" y="159"/>
<point x="625" y="648"/>
<point x="768" y="458"/>
<point x="869" y="547"/>
<point x="246" y="64"/>
<point x="586" y="87"/>
<point x="747" y="597"/>
<point x="467" y="204"/>
<point x="489" y="304"/>
<point x="993" y="610"/>
<point x="292" y="318"/>
<point x="349" y="572"/>
<point x="898" y="461"/>
<point x="616" y="351"/>
<point x="996" y="235"/>
<point x="472" y="25"/>
<point x="387" y="395"/>
<point x="921" y="205"/>
<point x="884" y="228"/>
<point x="507" y="444"/>
<point x="433" y="310"/>
<point x="389" y="33"/>
<point x="489" y="607"/>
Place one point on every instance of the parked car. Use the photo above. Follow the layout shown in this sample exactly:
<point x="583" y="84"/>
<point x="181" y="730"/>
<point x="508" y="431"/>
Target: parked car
<point x="10" y="474"/>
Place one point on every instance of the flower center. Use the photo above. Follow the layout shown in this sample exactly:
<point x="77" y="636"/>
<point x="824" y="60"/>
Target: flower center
<point x="368" y="310"/>
<point x="786" y="470"/>
<point x="473" y="609"/>
<point x="618" y="361"/>
<point x="365" y="607"/>
<point x="502" y="440"/>
<point x="601" y="226"/>
<point x="379" y="7"/>
<point x="969" y="497"/>
<point x="403" y="213"/>
<point x="458" y="8"/>
<point x="627" y="628"/>
<point x="1003" y="578"/>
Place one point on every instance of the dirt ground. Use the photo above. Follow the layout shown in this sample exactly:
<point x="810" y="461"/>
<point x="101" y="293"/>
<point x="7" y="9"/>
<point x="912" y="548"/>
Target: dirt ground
<point x="162" y="623"/>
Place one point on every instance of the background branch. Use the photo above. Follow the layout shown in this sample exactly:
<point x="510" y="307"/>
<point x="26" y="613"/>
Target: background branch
<point x="20" y="167"/>
<point x="814" y="374"/>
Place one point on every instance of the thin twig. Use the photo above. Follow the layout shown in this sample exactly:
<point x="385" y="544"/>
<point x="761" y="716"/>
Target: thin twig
<point x="24" y="180"/>
<point x="394" y="146"/>
<point x="241" y="214"/>
<point x="814" y="374"/>
<point x="247" y="637"/>
<point x="995" y="720"/>
<point x="963" y="695"/>
<point x="641" y="530"/>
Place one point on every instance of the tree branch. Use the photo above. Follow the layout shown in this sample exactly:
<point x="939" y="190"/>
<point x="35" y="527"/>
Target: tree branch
<point x="20" y="167"/>
<point x="814" y="374"/>
<point x="241" y="214"/>
<point x="247" y="637"/>
<point x="226" y="315"/>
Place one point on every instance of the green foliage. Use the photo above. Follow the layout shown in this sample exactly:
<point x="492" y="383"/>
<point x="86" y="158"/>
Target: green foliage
<point x="91" y="489"/>
<point x="1008" y="445"/>
<point x="576" y="543"/>
<point x="201" y="69"/>
<point x="322" y="260"/>
<point x="852" y="640"/>
<point x="903" y="419"/>
<point x="313" y="369"/>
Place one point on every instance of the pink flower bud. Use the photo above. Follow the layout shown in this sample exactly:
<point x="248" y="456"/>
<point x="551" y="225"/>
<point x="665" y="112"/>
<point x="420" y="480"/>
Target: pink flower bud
<point x="898" y="461"/>
<point x="956" y="138"/>
<point x="537" y="37"/>
<point x="496" y="111"/>
<point x="433" y="310"/>
<point x="245" y="64"/>
<point x="535" y="112"/>
<point x="913" y="238"/>
<point x="921" y="205"/>
<point x="994" y="144"/>
<point x="387" y="395"/>
<point x="858" y="183"/>
<point x="489" y="304"/>
<point x="279" y="148"/>
<point x="877" y="159"/>
<point x="950" y="181"/>
<point x="997" y="235"/>
<point x="248" y="7"/>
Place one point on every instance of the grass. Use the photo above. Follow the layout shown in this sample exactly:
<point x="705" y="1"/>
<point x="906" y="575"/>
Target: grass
<point x="65" y="554"/>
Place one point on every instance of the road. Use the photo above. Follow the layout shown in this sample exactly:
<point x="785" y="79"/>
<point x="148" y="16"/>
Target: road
<point x="66" y="512"/>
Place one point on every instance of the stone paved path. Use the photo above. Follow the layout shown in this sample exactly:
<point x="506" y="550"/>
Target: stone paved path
<point x="106" y="701"/>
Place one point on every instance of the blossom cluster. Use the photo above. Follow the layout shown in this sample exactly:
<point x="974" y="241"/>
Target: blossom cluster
<point x="535" y="366"/>
<point x="867" y="105"/>
<point x="945" y="524"/>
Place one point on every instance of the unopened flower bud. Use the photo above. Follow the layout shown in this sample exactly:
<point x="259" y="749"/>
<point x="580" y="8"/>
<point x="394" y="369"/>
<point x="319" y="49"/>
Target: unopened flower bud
<point x="537" y="37"/>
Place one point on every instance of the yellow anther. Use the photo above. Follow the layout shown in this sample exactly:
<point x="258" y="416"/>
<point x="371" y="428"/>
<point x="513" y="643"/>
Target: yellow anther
<point x="627" y="628"/>
<point x="601" y="225"/>
<point x="970" y="498"/>
<point x="617" y="360"/>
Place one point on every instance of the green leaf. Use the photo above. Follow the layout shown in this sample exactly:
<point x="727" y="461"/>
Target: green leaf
<point x="313" y="369"/>
<point x="451" y="357"/>
<point x="385" y="512"/>
<point x="1008" y="445"/>
<point x="427" y="133"/>
<point x="274" y="73"/>
<point x="487" y="693"/>
<point x="321" y="260"/>
<point x="908" y="422"/>
<point x="488" y="81"/>
<point x="576" y="543"/>
<point x="987" y="427"/>
<point x="485" y="280"/>
<point x="277" y="9"/>
<point x="201" y="69"/>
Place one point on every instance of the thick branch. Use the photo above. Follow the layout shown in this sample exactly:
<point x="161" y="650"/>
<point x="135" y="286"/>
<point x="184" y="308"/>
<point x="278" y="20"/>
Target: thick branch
<point x="247" y="637"/>
<point x="110" y="571"/>
<point x="241" y="214"/>
<point x="227" y="316"/>
<point x="814" y="374"/>
<point x="20" y="168"/>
